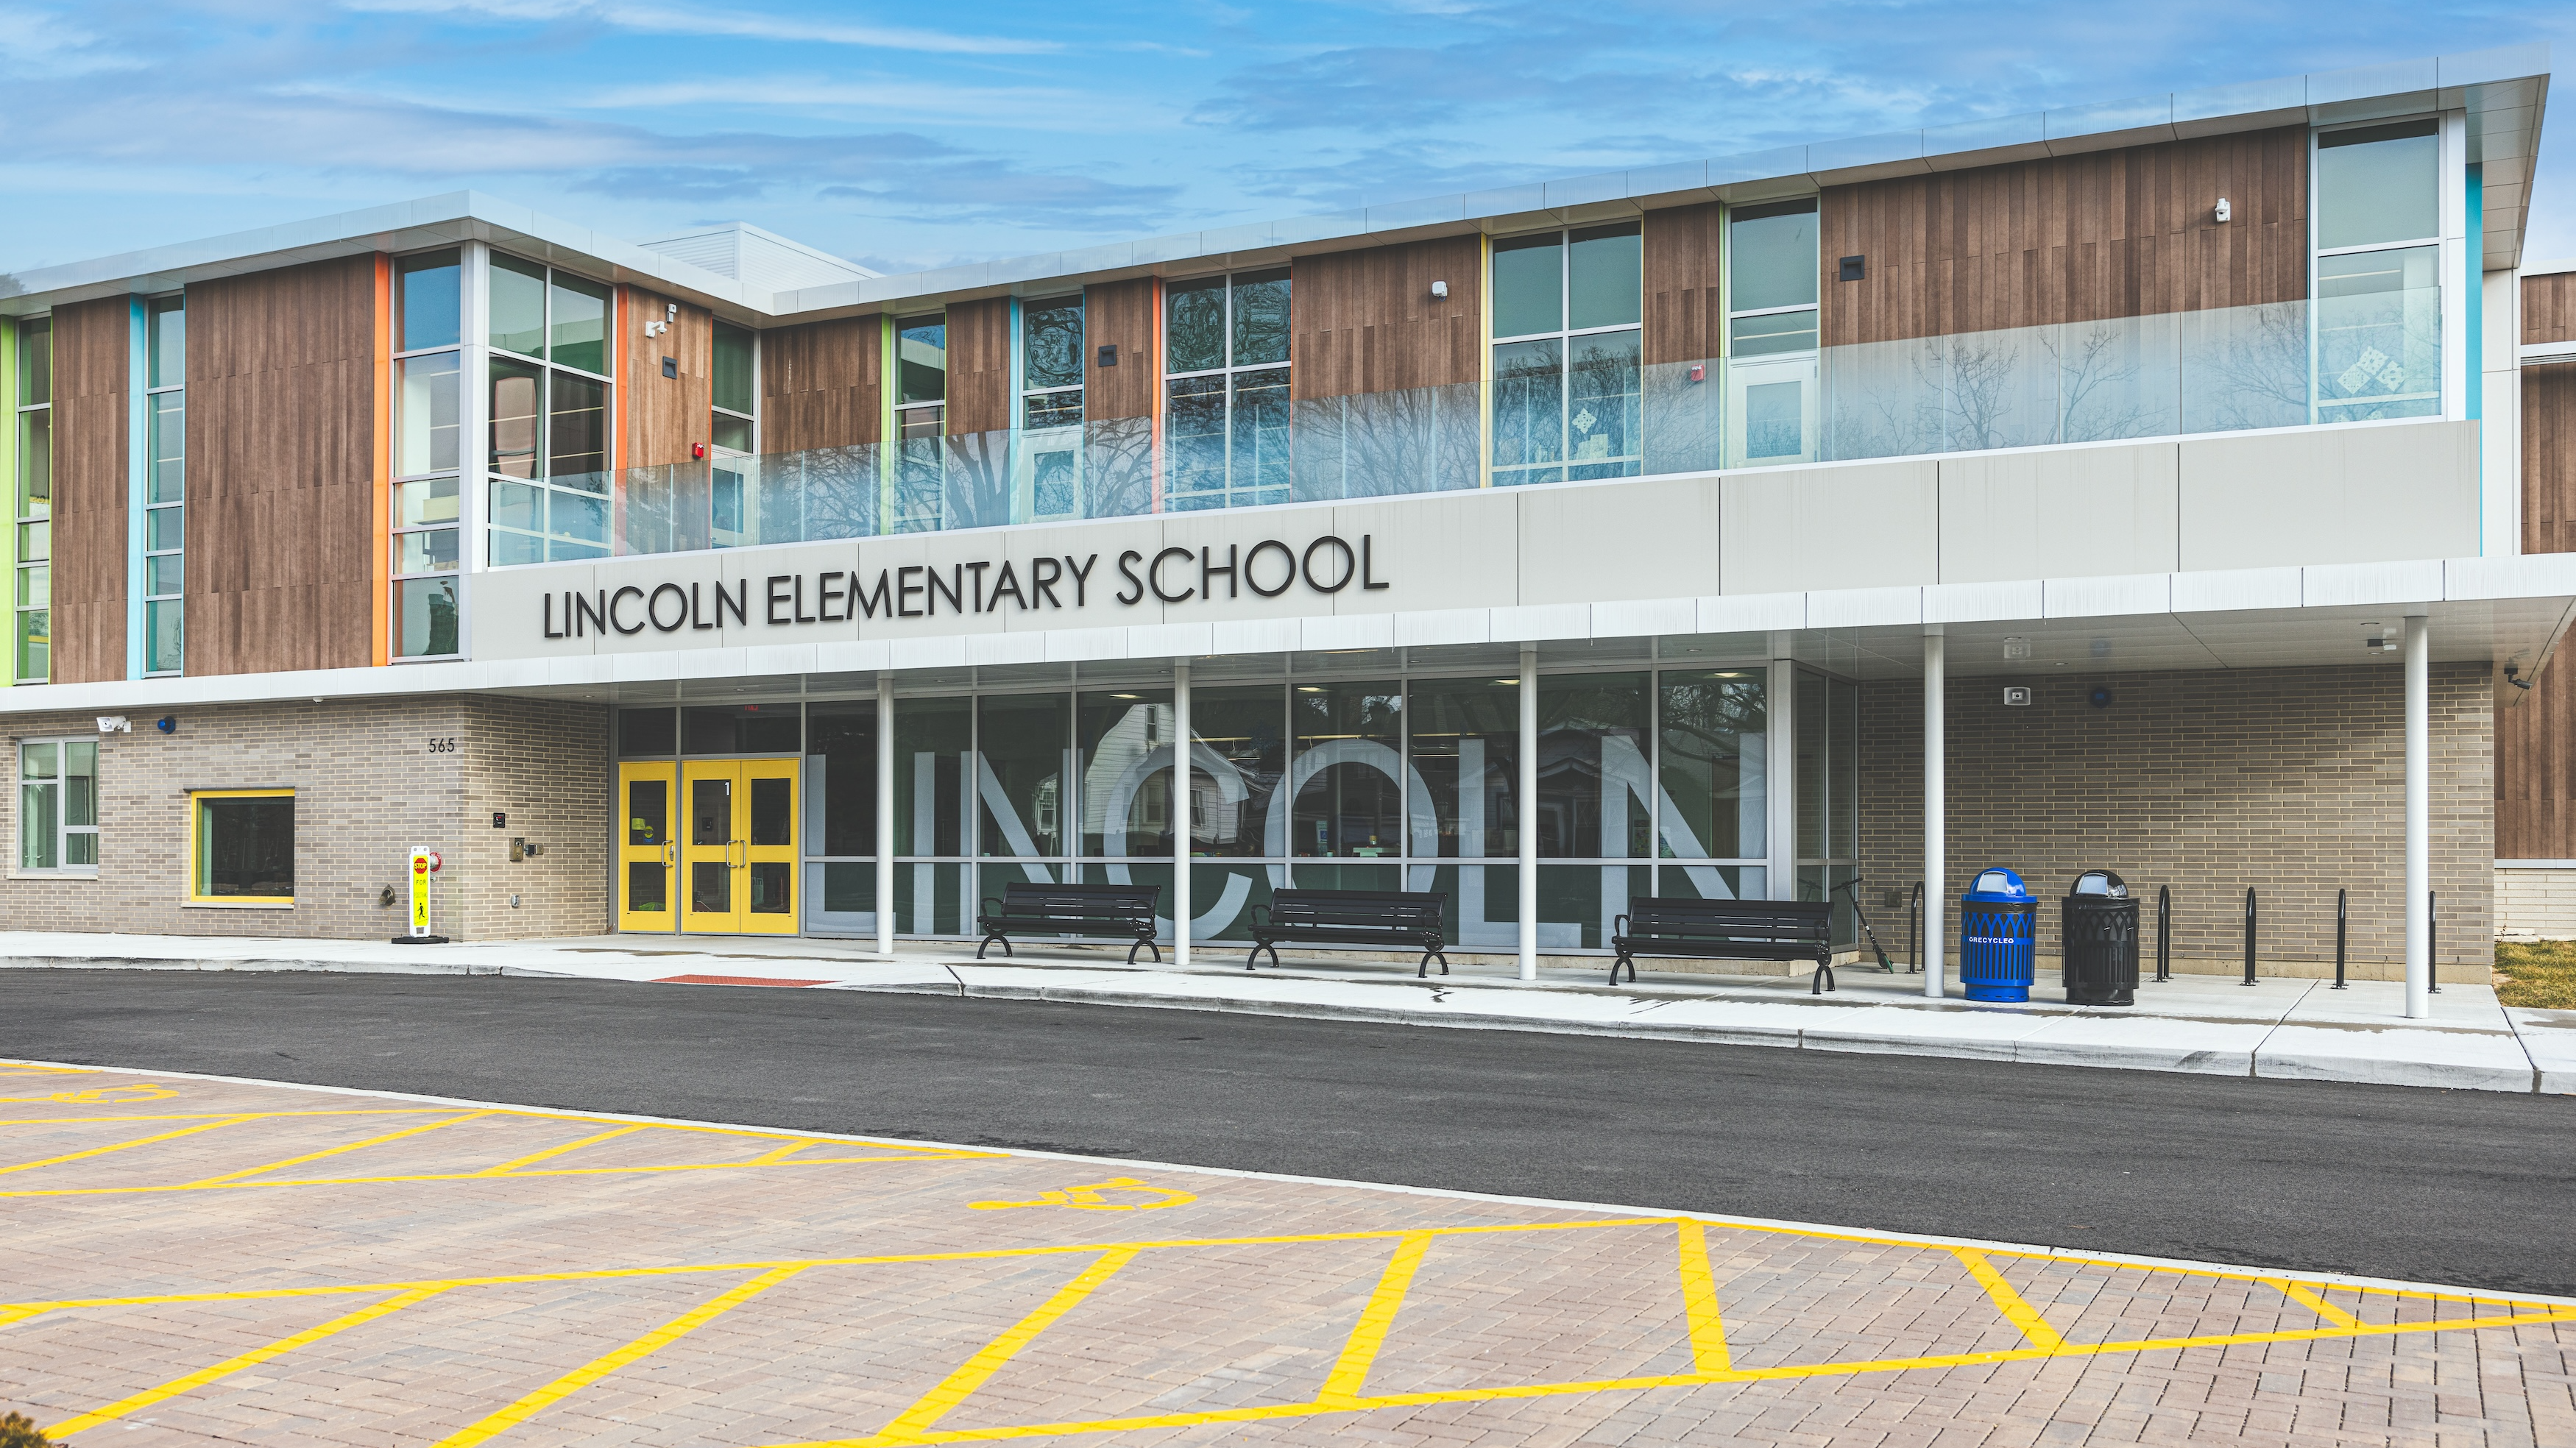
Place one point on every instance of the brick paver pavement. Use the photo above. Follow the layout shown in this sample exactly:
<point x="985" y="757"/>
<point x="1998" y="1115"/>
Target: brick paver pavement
<point x="195" y="1261"/>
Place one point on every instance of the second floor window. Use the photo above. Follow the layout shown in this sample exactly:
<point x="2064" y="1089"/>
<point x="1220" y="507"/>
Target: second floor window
<point x="2378" y="293"/>
<point x="733" y="427"/>
<point x="165" y="527"/>
<point x="1567" y="355"/>
<point x="1225" y="363"/>
<point x="32" y="635"/>
<point x="550" y="374"/>
<point x="429" y="434"/>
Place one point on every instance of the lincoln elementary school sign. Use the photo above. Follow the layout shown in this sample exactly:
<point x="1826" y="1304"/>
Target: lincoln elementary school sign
<point x="1269" y="568"/>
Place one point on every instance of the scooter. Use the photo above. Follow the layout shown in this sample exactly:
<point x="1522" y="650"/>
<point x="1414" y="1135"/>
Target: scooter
<point x="1862" y="918"/>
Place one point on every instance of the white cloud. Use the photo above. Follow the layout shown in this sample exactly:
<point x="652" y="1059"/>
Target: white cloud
<point x="1051" y="107"/>
<point x="44" y="42"/>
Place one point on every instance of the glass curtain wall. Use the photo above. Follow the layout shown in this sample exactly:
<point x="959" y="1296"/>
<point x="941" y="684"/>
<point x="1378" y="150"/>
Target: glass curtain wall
<point x="1650" y="782"/>
<point x="2378" y="315"/>
<point x="920" y="419"/>
<point x="1567" y="356"/>
<point x="32" y="636"/>
<point x="1828" y="787"/>
<point x="1225" y="426"/>
<point x="548" y="383"/>
<point x="429" y="400"/>
<point x="165" y="527"/>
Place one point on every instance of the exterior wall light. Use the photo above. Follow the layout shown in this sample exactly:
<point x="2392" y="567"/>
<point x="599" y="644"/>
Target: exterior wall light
<point x="2222" y="211"/>
<point x="1440" y="290"/>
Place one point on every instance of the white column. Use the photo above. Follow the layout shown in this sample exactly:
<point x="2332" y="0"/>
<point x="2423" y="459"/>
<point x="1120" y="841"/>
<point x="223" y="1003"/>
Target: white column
<point x="1936" y="786"/>
<point x="885" y="814"/>
<point x="2419" y="819"/>
<point x="1182" y="738"/>
<point x="1526" y="812"/>
<point x="1780" y="713"/>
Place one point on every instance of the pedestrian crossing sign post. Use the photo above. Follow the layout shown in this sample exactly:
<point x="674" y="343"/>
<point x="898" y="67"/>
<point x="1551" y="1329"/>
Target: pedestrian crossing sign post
<point x="424" y="870"/>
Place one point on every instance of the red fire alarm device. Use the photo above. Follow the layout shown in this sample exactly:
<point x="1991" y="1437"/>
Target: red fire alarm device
<point x="1699" y="372"/>
<point x="698" y="450"/>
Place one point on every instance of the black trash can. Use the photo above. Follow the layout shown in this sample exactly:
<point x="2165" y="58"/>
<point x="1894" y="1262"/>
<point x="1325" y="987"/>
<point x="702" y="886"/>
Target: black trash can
<point x="2101" y="941"/>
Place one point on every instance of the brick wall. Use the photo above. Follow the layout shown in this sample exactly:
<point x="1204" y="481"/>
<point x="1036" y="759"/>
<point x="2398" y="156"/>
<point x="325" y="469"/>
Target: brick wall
<point x="2288" y="780"/>
<point x="368" y="788"/>
<point x="2535" y="903"/>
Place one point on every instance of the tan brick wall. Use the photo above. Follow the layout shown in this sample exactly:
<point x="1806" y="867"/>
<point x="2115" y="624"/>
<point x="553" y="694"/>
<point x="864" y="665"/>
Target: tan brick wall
<point x="2535" y="903"/>
<point x="2288" y="780"/>
<point x="368" y="788"/>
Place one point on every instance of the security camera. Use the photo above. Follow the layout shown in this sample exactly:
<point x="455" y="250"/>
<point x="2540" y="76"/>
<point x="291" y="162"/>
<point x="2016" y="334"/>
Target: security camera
<point x="2511" y="673"/>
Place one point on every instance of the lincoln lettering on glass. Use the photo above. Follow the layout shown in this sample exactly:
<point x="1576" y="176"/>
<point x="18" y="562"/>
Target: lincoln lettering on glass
<point x="1269" y="568"/>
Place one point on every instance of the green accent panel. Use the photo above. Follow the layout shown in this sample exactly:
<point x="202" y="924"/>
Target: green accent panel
<point x="9" y="485"/>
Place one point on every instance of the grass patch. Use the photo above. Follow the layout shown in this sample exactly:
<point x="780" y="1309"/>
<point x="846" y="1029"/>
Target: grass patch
<point x="2539" y="973"/>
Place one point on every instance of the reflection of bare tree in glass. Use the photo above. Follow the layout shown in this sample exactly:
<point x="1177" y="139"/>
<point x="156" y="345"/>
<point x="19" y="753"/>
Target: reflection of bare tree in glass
<point x="840" y="486"/>
<point x="2097" y="376"/>
<point x="1118" y="462"/>
<point x="1883" y="399"/>
<point x="975" y="490"/>
<point x="2247" y="368"/>
<point x="1983" y="368"/>
<point x="1419" y="440"/>
<point x="1681" y="423"/>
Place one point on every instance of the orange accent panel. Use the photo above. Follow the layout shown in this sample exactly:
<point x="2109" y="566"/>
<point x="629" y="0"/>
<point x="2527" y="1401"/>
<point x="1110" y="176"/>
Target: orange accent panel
<point x="618" y="351"/>
<point x="380" y="570"/>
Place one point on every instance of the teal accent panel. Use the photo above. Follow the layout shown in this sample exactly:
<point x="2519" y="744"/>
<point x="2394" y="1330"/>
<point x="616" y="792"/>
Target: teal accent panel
<point x="2476" y="245"/>
<point x="138" y="470"/>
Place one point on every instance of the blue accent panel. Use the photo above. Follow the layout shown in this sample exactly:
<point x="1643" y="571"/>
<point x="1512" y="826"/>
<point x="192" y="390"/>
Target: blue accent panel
<point x="2476" y="246"/>
<point x="138" y="470"/>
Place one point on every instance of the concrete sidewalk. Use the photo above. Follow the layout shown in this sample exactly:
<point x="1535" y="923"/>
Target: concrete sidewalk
<point x="2280" y="1028"/>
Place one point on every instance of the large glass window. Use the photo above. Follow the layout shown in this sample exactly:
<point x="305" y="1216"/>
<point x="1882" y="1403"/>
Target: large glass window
<point x="241" y="845"/>
<point x="1771" y="278"/>
<point x="1049" y="464"/>
<point x="428" y="460"/>
<point x="841" y="816"/>
<point x="548" y="449"/>
<point x="2378" y="285"/>
<point x="1226" y="387"/>
<point x="165" y="530"/>
<point x="31" y="637"/>
<point x="736" y="389"/>
<point x="920" y="420"/>
<point x="1712" y="730"/>
<point x="934" y="790"/>
<point x="58" y="805"/>
<point x="1022" y="759"/>
<point x="1465" y="748"/>
<point x="1347" y="804"/>
<point x="1828" y="791"/>
<point x="1567" y="355"/>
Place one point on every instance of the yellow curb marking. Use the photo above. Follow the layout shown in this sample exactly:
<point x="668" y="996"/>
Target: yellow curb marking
<point x="409" y="1131"/>
<point x="231" y="1365"/>
<point x="104" y="1095"/>
<point x="1089" y="1199"/>
<point x="910" y="1424"/>
<point x="2315" y="1303"/>
<point x="1351" y="1369"/>
<point x="600" y="1367"/>
<point x="550" y="1153"/>
<point x="1699" y="1302"/>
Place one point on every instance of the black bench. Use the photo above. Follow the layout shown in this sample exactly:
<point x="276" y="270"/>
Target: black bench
<point x="1119" y="910"/>
<point x="1727" y="930"/>
<point x="1406" y="919"/>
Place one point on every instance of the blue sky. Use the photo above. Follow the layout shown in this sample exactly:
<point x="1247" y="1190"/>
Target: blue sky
<point x="917" y="136"/>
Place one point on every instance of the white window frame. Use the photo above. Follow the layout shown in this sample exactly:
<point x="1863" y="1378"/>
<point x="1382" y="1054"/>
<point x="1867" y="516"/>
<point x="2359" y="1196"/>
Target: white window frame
<point x="153" y="394"/>
<point x="752" y="418"/>
<point x="2448" y="244"/>
<point x="488" y="355"/>
<point x="1565" y="334"/>
<point x="20" y="517"/>
<point x="467" y="437"/>
<point x="18" y="867"/>
<point x="1225" y="498"/>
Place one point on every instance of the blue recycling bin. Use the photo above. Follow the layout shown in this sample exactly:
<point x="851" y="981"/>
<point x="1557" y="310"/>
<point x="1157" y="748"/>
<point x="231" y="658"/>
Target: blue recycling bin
<point x="1997" y="919"/>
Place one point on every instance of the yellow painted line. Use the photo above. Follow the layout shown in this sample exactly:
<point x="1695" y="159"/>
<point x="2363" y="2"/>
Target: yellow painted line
<point x="2315" y="1303"/>
<point x="912" y="1422"/>
<point x="464" y="1176"/>
<point x="2020" y="1312"/>
<point x="9" y="1315"/>
<point x="120" y="1146"/>
<point x="550" y="1153"/>
<point x="397" y="1135"/>
<point x="1674" y="1380"/>
<point x="1350" y="1371"/>
<point x="600" y="1367"/>
<point x="772" y="1158"/>
<point x="205" y="1116"/>
<point x="231" y="1365"/>
<point x="1699" y="1302"/>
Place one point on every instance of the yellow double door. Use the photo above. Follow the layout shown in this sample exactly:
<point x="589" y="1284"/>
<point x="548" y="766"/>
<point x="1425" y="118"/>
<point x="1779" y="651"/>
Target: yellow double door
<point x="708" y="846"/>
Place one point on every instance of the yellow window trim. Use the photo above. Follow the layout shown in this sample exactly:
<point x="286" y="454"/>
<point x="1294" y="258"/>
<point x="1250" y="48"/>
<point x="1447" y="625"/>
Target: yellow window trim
<point x="254" y="901"/>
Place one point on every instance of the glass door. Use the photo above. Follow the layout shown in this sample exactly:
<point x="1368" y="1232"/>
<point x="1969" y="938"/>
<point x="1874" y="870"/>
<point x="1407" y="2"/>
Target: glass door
<point x="738" y="847"/>
<point x="645" y="850"/>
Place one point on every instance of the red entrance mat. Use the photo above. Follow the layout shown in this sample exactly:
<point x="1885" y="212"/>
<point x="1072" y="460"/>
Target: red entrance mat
<point x="731" y="980"/>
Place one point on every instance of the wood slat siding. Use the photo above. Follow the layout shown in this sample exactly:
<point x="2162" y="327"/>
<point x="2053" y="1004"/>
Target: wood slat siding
<point x="2549" y="308"/>
<point x="1365" y="321"/>
<point x="92" y="347"/>
<point x="1685" y="295"/>
<point x="2122" y="233"/>
<point x="979" y="367"/>
<point x="1120" y="315"/>
<point x="281" y="469"/>
<point x="2535" y="742"/>
<point x="822" y="384"/>
<point x="664" y="415"/>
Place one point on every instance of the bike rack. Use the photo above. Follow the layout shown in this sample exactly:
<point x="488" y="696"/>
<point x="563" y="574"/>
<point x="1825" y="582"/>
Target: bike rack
<point x="2249" y="935"/>
<point x="2164" y="932"/>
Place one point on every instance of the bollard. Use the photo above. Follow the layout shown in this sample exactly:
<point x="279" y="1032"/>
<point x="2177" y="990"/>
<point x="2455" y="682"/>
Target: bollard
<point x="2339" y="938"/>
<point x="2249" y="935"/>
<point x="2432" y="957"/>
<point x="1914" y="932"/>
<point x="2164" y="932"/>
